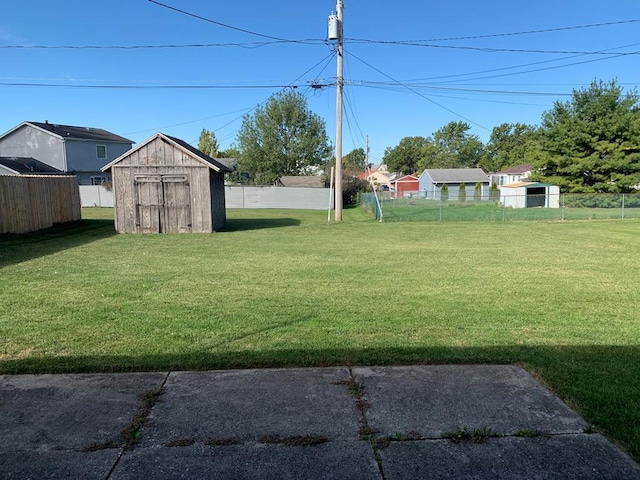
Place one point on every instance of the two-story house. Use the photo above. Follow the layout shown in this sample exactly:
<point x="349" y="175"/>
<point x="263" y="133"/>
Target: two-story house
<point x="81" y="151"/>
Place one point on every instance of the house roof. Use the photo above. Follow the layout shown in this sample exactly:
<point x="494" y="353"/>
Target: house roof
<point x="78" y="133"/>
<point x="182" y="145"/>
<point x="406" y="178"/>
<point x="313" y="181"/>
<point x="516" y="169"/>
<point x="456" y="175"/>
<point x="27" y="165"/>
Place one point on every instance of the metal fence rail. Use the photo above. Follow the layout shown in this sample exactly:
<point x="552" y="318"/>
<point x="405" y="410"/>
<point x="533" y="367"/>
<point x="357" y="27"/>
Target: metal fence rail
<point x="413" y="207"/>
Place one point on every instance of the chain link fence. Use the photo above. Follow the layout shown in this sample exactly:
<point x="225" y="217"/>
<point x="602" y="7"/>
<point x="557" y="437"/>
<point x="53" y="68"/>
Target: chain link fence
<point x="564" y="206"/>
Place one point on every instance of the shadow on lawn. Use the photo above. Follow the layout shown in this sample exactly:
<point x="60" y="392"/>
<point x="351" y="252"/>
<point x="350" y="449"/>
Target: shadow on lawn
<point x="601" y="382"/>
<point x="243" y="224"/>
<point x="20" y="248"/>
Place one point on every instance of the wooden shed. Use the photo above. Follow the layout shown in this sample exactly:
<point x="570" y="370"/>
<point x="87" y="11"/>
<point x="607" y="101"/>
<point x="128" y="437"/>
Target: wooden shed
<point x="164" y="185"/>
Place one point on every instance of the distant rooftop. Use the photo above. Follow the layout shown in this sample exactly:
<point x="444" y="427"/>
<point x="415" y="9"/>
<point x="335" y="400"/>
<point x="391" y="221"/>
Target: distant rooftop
<point x="27" y="165"/>
<point x="80" y="133"/>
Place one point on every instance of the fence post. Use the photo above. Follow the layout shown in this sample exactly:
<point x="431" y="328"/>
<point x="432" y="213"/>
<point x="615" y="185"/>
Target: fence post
<point x="623" y="206"/>
<point x="563" y="205"/>
<point x="440" y="211"/>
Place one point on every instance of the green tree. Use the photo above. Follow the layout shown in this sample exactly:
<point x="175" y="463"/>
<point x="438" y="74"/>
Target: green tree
<point x="591" y="143"/>
<point x="406" y="157"/>
<point x="355" y="161"/>
<point x="507" y="146"/>
<point x="207" y="143"/>
<point x="444" y="192"/>
<point x="494" y="193"/>
<point x="283" y="138"/>
<point x="453" y="147"/>
<point x="477" y="192"/>
<point x="462" y="193"/>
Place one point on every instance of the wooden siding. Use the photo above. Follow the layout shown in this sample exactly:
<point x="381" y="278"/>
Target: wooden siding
<point x="127" y="196"/>
<point x="29" y="203"/>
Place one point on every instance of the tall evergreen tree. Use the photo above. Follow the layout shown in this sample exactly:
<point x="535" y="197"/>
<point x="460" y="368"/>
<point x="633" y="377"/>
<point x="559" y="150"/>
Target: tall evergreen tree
<point x="592" y="142"/>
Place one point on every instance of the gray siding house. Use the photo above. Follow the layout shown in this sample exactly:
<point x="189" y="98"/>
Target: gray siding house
<point x="80" y="151"/>
<point x="432" y="179"/>
<point x="165" y="185"/>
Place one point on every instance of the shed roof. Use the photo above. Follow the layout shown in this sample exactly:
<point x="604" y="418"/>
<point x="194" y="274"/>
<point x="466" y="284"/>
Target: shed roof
<point x="456" y="175"/>
<point x="27" y="165"/>
<point x="405" y="178"/>
<point x="180" y="144"/>
<point x="79" y="133"/>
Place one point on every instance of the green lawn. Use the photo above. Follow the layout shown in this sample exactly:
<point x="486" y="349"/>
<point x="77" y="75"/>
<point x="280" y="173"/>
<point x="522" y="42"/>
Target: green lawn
<point x="283" y="288"/>
<point x="419" y="209"/>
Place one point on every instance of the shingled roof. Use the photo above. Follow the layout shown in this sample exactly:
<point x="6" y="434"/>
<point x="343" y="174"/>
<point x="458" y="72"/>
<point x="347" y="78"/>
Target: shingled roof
<point x="79" y="133"/>
<point x="457" y="175"/>
<point x="28" y="166"/>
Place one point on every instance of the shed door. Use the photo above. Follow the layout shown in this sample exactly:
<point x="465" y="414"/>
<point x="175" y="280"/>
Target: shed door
<point x="162" y="203"/>
<point x="536" y="197"/>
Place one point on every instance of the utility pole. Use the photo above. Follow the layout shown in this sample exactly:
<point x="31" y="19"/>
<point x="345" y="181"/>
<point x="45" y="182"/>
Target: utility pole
<point x="339" y="85"/>
<point x="366" y="155"/>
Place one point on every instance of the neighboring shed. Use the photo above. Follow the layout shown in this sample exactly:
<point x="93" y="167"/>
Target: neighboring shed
<point x="25" y="166"/>
<point x="432" y="179"/>
<point x="530" y="194"/>
<point x="405" y="185"/>
<point x="164" y="185"/>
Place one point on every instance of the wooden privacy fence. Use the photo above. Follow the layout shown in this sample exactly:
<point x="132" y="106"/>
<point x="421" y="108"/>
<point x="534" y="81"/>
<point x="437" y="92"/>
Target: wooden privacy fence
<point x="33" y="202"/>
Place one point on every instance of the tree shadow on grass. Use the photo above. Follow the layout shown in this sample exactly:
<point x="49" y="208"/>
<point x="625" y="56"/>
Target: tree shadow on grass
<point x="20" y="248"/>
<point x="244" y="224"/>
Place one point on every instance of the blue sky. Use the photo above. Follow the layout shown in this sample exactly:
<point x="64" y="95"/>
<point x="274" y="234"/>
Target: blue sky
<point x="392" y="89"/>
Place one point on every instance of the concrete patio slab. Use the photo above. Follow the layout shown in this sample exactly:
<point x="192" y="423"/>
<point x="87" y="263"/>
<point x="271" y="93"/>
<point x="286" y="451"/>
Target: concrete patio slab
<point x="434" y="399"/>
<point x="69" y="412"/>
<point x="249" y="404"/>
<point x="559" y="457"/>
<point x="331" y="460"/>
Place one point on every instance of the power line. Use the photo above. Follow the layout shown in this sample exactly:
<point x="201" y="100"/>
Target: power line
<point x="418" y="93"/>
<point x="526" y="32"/>
<point x="199" y="17"/>
<point x="495" y="50"/>
<point x="152" y="87"/>
<point x="308" y="41"/>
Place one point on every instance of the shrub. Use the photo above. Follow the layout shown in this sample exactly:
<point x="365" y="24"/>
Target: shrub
<point x="494" y="193"/>
<point x="477" y="192"/>
<point x="444" y="193"/>
<point x="462" y="193"/>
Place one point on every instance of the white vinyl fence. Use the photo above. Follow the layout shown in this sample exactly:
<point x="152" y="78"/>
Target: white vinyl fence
<point x="237" y="197"/>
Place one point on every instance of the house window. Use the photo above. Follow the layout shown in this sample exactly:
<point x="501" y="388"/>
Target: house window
<point x="99" y="180"/>
<point x="101" y="152"/>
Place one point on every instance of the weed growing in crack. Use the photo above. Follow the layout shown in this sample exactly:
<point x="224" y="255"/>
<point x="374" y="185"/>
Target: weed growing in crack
<point x="527" y="433"/>
<point x="222" y="442"/>
<point x="384" y="442"/>
<point x="182" y="442"/>
<point x="294" y="440"/>
<point x="131" y="433"/>
<point x="477" y="435"/>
